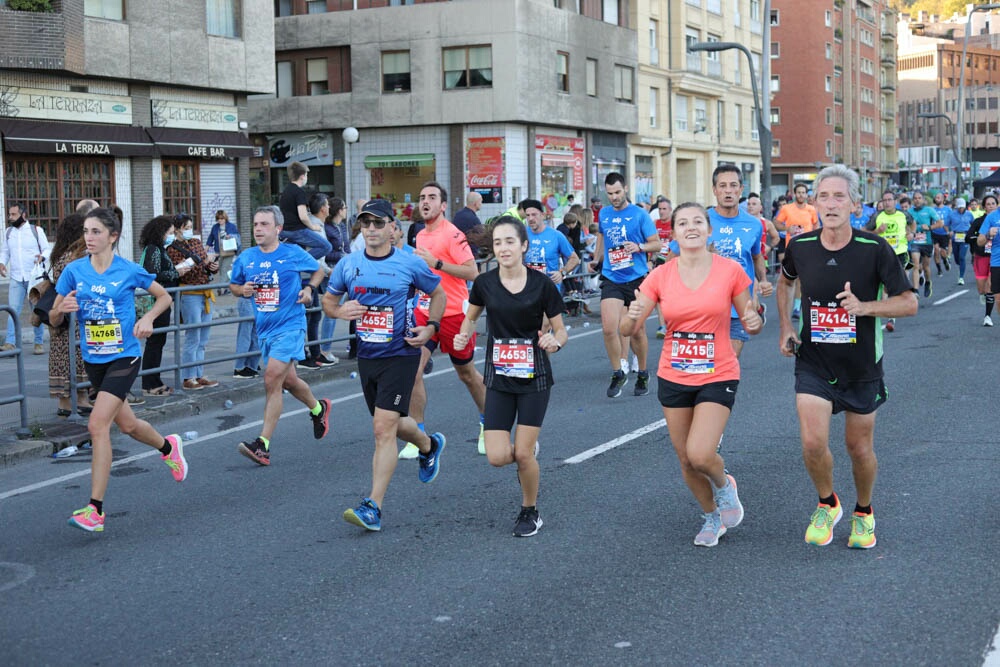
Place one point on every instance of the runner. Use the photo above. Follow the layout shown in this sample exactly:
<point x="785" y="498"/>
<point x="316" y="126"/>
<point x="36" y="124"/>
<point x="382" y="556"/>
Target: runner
<point x="269" y="272"/>
<point x="548" y="250"/>
<point x="893" y="225"/>
<point x="664" y="229"/>
<point x="625" y="234"/>
<point x="794" y="218"/>
<point x="444" y="248"/>
<point x="101" y="288"/>
<point x="838" y="349"/>
<point x="959" y="223"/>
<point x="941" y="234"/>
<point x="380" y="283"/>
<point x="699" y="371"/>
<point x="768" y="241"/>
<point x="987" y="235"/>
<point x="981" y="254"/>
<point x="518" y="372"/>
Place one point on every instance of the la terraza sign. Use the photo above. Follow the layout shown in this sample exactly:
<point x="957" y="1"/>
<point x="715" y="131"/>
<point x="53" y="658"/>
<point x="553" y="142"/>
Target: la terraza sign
<point x="74" y="148"/>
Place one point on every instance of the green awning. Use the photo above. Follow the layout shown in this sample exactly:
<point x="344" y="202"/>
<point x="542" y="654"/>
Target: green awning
<point x="391" y="161"/>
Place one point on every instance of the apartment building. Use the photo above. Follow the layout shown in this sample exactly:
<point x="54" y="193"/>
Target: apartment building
<point x="510" y="99"/>
<point x="696" y="110"/>
<point x="134" y="103"/>
<point x="833" y="81"/>
<point x="930" y="74"/>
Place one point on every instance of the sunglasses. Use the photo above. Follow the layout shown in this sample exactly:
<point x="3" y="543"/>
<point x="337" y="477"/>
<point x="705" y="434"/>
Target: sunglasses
<point x="368" y="222"/>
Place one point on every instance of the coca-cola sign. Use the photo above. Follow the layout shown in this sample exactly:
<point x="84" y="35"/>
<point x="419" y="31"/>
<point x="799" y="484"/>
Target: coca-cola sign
<point x="485" y="157"/>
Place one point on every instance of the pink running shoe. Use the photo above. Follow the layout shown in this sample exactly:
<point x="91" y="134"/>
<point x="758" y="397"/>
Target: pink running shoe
<point x="87" y="519"/>
<point x="175" y="459"/>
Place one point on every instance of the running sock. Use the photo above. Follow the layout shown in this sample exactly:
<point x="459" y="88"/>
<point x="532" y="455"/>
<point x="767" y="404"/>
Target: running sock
<point x="420" y="425"/>
<point x="482" y="418"/>
<point x="831" y="500"/>
<point x="858" y="509"/>
<point x="318" y="408"/>
<point x="166" y="448"/>
<point x="531" y="508"/>
<point x="267" y="443"/>
<point x="98" y="505"/>
<point x="990" y="300"/>
<point x="938" y="268"/>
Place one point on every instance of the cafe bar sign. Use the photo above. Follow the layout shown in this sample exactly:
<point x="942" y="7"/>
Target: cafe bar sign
<point x="192" y="116"/>
<point x="40" y="104"/>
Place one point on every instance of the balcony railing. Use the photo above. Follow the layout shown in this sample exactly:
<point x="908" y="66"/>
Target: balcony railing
<point x="694" y="62"/>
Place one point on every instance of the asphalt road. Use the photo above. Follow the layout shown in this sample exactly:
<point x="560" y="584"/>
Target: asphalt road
<point x="248" y="565"/>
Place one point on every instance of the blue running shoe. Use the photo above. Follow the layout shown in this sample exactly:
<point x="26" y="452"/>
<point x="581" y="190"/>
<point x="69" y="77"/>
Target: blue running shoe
<point x="367" y="515"/>
<point x="430" y="463"/>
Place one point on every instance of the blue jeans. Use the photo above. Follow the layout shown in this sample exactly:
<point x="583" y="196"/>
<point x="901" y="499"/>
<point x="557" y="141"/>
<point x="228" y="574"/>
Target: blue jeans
<point x="959" y="250"/>
<point x="246" y="336"/>
<point x="195" y="340"/>
<point x="326" y="331"/>
<point x="18" y="293"/>
<point x="314" y="243"/>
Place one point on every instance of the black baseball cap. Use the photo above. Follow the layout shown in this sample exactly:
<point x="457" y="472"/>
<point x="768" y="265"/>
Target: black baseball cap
<point x="378" y="207"/>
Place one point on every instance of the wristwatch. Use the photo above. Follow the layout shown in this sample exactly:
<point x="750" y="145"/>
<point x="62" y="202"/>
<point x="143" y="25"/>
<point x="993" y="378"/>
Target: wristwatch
<point x="439" y="265"/>
<point x="434" y="323"/>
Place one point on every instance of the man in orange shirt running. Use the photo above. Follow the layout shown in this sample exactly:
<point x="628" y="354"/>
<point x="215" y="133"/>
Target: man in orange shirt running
<point x="797" y="218"/>
<point x="447" y="253"/>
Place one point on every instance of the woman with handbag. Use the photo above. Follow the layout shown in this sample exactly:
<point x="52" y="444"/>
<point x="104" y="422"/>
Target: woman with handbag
<point x="154" y="238"/>
<point x="224" y="241"/>
<point x="196" y="305"/>
<point x="69" y="246"/>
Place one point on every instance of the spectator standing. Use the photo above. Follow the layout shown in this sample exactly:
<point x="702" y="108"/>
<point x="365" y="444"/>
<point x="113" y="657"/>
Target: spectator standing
<point x="224" y="241"/>
<point x="338" y="234"/>
<point x="154" y="239"/>
<point x="294" y="205"/>
<point x="466" y="218"/>
<point x="24" y="249"/>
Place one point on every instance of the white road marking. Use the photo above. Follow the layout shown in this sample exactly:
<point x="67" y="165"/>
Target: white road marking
<point x="993" y="652"/>
<point x="621" y="440"/>
<point x="949" y="298"/>
<point x="137" y="457"/>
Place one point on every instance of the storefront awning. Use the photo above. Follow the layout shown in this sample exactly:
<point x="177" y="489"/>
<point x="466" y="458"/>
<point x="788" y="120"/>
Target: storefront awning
<point x="391" y="161"/>
<point x="27" y="136"/>
<point x="202" y="144"/>
<point x="556" y="160"/>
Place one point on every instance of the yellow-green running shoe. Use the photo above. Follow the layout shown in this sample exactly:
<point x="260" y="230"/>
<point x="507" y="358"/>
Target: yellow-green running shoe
<point x="410" y="451"/>
<point x="862" y="531"/>
<point x="482" y="441"/>
<point x="820" y="530"/>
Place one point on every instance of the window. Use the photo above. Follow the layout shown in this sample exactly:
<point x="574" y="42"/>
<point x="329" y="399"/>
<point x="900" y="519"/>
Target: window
<point x="691" y="36"/>
<point x="755" y="10"/>
<point x="316" y="76"/>
<point x="775" y="20"/>
<point x="316" y="6"/>
<point x="654" y="51"/>
<point x="828" y="18"/>
<point x="737" y="21"/>
<point x="714" y="66"/>
<point x="828" y="84"/>
<point x="395" y="71"/>
<point x="738" y="130"/>
<point x="562" y="71"/>
<point x="113" y="10"/>
<point x="283" y="8"/>
<point x="181" y="193"/>
<point x="53" y="186"/>
<point x="829" y="51"/>
<point x="775" y="49"/>
<point x="829" y="116"/>
<point x="776" y="148"/>
<point x="681" y="113"/>
<point x="623" y="83"/>
<point x="222" y="17"/>
<point x="286" y="78"/>
<point x="591" y="77"/>
<point x="700" y="115"/>
<point x="720" y="119"/>
<point x="611" y="12"/>
<point x="468" y="67"/>
<point x="829" y="148"/>
<point x="775" y="116"/>
<point x="654" y="104"/>
<point x="775" y="84"/>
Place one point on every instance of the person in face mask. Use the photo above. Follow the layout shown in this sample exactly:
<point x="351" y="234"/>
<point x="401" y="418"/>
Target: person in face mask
<point x="196" y="305"/>
<point x="154" y="239"/>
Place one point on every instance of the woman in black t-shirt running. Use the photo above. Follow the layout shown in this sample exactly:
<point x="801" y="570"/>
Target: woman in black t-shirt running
<point x="518" y="375"/>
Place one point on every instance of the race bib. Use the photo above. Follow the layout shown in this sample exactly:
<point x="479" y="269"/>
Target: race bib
<point x="960" y="237"/>
<point x="832" y="324"/>
<point x="266" y="297"/>
<point x="514" y="358"/>
<point x="892" y="239"/>
<point x="103" y="336"/>
<point x="619" y="257"/>
<point x="423" y="302"/>
<point x="920" y="238"/>
<point x="538" y="266"/>
<point x="692" y="352"/>
<point x="794" y="230"/>
<point x="375" y="325"/>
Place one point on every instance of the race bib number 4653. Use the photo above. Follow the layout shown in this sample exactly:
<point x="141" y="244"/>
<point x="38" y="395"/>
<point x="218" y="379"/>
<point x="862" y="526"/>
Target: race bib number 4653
<point x="514" y="358"/>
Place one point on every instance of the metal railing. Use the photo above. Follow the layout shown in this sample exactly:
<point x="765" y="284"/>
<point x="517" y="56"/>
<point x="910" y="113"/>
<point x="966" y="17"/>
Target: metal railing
<point x="21" y="396"/>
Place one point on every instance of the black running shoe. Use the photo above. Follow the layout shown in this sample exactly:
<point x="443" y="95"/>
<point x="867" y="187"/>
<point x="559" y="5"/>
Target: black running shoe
<point x="245" y="373"/>
<point x="256" y="451"/>
<point x="641" y="383"/>
<point x="321" y="422"/>
<point x="928" y="290"/>
<point x="528" y="522"/>
<point x="618" y="380"/>
<point x="308" y="364"/>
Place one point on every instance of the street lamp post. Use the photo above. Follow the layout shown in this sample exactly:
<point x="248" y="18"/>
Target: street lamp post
<point x="954" y="149"/>
<point x="350" y="136"/>
<point x="961" y="77"/>
<point x="763" y="129"/>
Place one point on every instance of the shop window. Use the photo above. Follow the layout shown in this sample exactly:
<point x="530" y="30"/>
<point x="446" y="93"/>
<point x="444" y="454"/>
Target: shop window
<point x="468" y="67"/>
<point x="222" y="17"/>
<point x="562" y="71"/>
<point x="317" y="77"/>
<point x="395" y="71"/>
<point x="181" y="191"/>
<point x="113" y="10"/>
<point x="591" y="77"/>
<point x="50" y="188"/>
<point x="623" y="83"/>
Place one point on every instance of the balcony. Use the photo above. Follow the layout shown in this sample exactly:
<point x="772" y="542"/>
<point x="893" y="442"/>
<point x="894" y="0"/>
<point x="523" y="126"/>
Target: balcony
<point x="889" y="86"/>
<point x="888" y="113"/>
<point x="888" y="58"/>
<point x="888" y="31"/>
<point x="694" y="62"/>
<point x="715" y="68"/>
<point x="888" y="140"/>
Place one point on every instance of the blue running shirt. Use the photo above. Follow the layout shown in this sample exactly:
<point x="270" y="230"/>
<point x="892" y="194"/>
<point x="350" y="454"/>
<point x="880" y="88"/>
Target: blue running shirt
<point x="545" y="249"/>
<point x="107" y="306"/>
<point x="386" y="286"/>
<point x="992" y="220"/>
<point x="629" y="224"/>
<point x="276" y="280"/>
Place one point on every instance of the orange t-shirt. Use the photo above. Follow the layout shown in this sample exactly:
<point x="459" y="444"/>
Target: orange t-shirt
<point x="448" y="244"/>
<point x="798" y="220"/>
<point x="697" y="350"/>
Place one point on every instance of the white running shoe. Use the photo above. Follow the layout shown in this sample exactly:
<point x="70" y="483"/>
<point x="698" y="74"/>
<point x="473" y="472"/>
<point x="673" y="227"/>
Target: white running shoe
<point x="987" y="321"/>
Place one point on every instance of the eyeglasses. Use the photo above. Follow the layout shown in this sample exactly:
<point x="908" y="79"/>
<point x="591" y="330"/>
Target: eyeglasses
<point x="368" y="222"/>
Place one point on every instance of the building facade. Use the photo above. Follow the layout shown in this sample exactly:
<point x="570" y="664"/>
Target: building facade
<point x="833" y="81"/>
<point x="696" y="110"/>
<point x="141" y="104"/>
<point x="511" y="99"/>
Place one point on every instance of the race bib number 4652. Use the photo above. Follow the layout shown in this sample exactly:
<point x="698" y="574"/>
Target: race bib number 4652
<point x="376" y="325"/>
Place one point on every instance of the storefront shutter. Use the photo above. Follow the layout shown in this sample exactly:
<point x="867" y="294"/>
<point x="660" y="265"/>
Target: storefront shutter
<point x="218" y="190"/>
